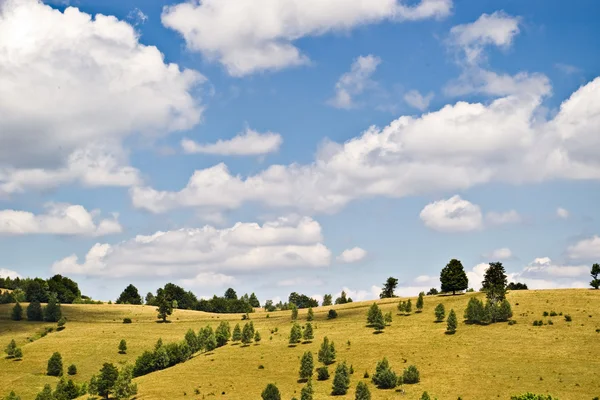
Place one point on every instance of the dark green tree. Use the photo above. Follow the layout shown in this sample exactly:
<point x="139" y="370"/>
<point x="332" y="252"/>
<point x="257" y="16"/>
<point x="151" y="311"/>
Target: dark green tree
<point x="52" y="311"/>
<point x="12" y="396"/>
<point x="223" y="333"/>
<point x="254" y="301"/>
<point x="106" y="380"/>
<point x="332" y="314"/>
<point x="122" y="347"/>
<point x="10" y="349"/>
<point x="150" y="299"/>
<point x="18" y="354"/>
<point x="247" y="334"/>
<point x="192" y="341"/>
<point x="164" y="305"/>
<point x="130" y="296"/>
<point x="327" y="300"/>
<point x="310" y="315"/>
<point x="72" y="370"/>
<point x="341" y="380"/>
<point x="327" y="352"/>
<point x="322" y="373"/>
<point x="55" y="365"/>
<point x="453" y="277"/>
<point x="61" y="323"/>
<point x="295" y="334"/>
<point x="37" y="290"/>
<point x="379" y="322"/>
<point x="384" y="377"/>
<point x="420" y="301"/>
<point x="494" y="282"/>
<point x="45" y="394"/>
<point x="257" y="337"/>
<point x="425" y="396"/>
<point x="307" y="391"/>
<point x="388" y="288"/>
<point x="65" y="289"/>
<point x="306" y="366"/>
<point x="308" y="334"/>
<point x="362" y="392"/>
<point x="451" y="328"/>
<point x="595" y="272"/>
<point x="17" y="312"/>
<point x="411" y="375"/>
<point x="373" y="314"/>
<point x="271" y="393"/>
<point x="294" y="312"/>
<point x="342" y="299"/>
<point x="408" y="307"/>
<point x="440" y="312"/>
<point x="230" y="294"/>
<point x="237" y="333"/>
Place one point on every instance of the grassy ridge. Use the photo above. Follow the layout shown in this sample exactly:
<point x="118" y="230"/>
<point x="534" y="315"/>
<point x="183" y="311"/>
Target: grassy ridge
<point x="478" y="362"/>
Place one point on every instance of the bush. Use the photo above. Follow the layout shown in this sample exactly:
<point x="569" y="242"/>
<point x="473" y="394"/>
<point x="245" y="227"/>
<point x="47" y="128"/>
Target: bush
<point x="545" y="313"/>
<point x="18" y="354"/>
<point x="322" y="373"/>
<point x="122" y="347"/>
<point x="271" y="393"/>
<point x="10" y="349"/>
<point x="531" y="396"/>
<point x="568" y="318"/>
<point x="553" y="313"/>
<point x="432" y="292"/>
<point x="362" y="392"/>
<point x="475" y="311"/>
<point x="332" y="314"/>
<point x="307" y="391"/>
<point x="72" y="370"/>
<point x="384" y="377"/>
<point x="550" y="322"/>
<point x="411" y="375"/>
<point x="61" y="324"/>
<point x="55" y="365"/>
<point x="127" y="320"/>
<point x="512" y="322"/>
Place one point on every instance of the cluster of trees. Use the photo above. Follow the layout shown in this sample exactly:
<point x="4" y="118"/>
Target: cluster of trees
<point x="375" y="318"/>
<point x="302" y="300"/>
<point x="163" y="356"/>
<point x="297" y="334"/>
<point x="38" y="289"/>
<point x="13" y="351"/>
<point x="35" y="312"/>
<point x="229" y="303"/>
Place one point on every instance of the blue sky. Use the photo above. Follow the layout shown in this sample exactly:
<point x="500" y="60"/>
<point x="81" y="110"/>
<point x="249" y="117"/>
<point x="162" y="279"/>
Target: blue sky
<point x="279" y="146"/>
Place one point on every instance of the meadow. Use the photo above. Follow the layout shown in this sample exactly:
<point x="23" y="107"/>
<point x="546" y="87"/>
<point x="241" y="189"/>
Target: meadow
<point x="477" y="362"/>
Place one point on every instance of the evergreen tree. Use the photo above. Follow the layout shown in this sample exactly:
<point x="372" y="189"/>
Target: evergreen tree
<point x="327" y="352"/>
<point x="271" y="393"/>
<point x="192" y="340"/>
<point x="254" y="301"/>
<point x="12" y="396"/>
<point x="384" y="377"/>
<point x="164" y="305"/>
<point x="379" y="323"/>
<point x="257" y="337"/>
<point x="420" y="302"/>
<point x="494" y="282"/>
<point x="440" y="312"/>
<point x="308" y="335"/>
<point x="45" y="394"/>
<point x="34" y="311"/>
<point x="388" y="318"/>
<point x="388" y="288"/>
<point x="247" y="334"/>
<point x="61" y="323"/>
<point x="453" y="277"/>
<point x="306" y="366"/>
<point x="52" y="311"/>
<point x="341" y="380"/>
<point x="322" y="373"/>
<point x="223" y="333"/>
<point x="106" y="380"/>
<point x="307" y="391"/>
<point x="55" y="365"/>
<point x="230" y="294"/>
<point x="10" y="349"/>
<point x="295" y="334"/>
<point x="72" y="370"/>
<point x="408" y="307"/>
<point x="122" y="347"/>
<point x="373" y="313"/>
<point x="211" y="341"/>
<point x="311" y="315"/>
<point x="362" y="392"/>
<point x="411" y="375"/>
<point x="451" y="328"/>
<point x="327" y="300"/>
<point x="402" y="307"/>
<point x="129" y="295"/>
<point x="595" y="272"/>
<point x="425" y="396"/>
<point x="150" y="299"/>
<point x="17" y="312"/>
<point x="237" y="333"/>
<point x="124" y="388"/>
<point x="475" y="311"/>
<point x="18" y="354"/>
<point x="294" y="312"/>
<point x="504" y="312"/>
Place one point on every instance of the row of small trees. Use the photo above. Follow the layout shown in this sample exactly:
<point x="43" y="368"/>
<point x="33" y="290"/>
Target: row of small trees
<point x="35" y="312"/>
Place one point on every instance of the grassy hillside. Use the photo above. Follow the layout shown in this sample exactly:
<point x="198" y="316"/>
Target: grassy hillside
<point x="478" y="362"/>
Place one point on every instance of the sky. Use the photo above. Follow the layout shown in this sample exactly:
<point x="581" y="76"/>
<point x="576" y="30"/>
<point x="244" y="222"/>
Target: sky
<point x="298" y="145"/>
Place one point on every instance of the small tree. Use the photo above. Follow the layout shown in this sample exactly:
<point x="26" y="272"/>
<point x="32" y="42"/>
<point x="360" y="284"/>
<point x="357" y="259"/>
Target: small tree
<point x="124" y="388"/>
<point x="373" y="314"/>
<point x="451" y="328"/>
<point x="106" y="380"/>
<point x="384" y="377"/>
<point x="411" y="375"/>
<point x="475" y="311"/>
<point x="379" y="323"/>
<point x="332" y="314"/>
<point x="362" y="392"/>
<point x="223" y="333"/>
<point x="164" y="305"/>
<point x="211" y="341"/>
<point x="17" y="312"/>
<point x="72" y="370"/>
<point x="257" y="337"/>
<point x="408" y="307"/>
<point x="237" y="333"/>
<point x="440" y="312"/>
<point x="55" y="365"/>
<point x="388" y="288"/>
<point x="247" y="334"/>
<point x="254" y="301"/>
<point x="307" y="391"/>
<point x="294" y="312"/>
<point x="341" y="380"/>
<point x="295" y="334"/>
<point x="129" y="295"/>
<point x="420" y="302"/>
<point x="61" y="324"/>
<point x="306" y="366"/>
<point x="12" y="396"/>
<point x="425" y="396"/>
<point x="34" y="311"/>
<point x="45" y="394"/>
<point x="453" y="277"/>
<point x="18" y="354"/>
<point x="308" y="335"/>
<point x="271" y="393"/>
<point x="494" y="282"/>
<point x="122" y="347"/>
<point x="595" y="272"/>
<point x="192" y="340"/>
<point x="322" y="373"/>
<point x="327" y="352"/>
<point x="327" y="300"/>
<point x="52" y="311"/>
<point x="311" y="315"/>
<point x="10" y="349"/>
<point x="388" y="318"/>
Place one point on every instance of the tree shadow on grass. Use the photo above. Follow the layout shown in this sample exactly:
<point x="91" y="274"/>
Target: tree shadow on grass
<point x="378" y="332"/>
<point x="163" y="322"/>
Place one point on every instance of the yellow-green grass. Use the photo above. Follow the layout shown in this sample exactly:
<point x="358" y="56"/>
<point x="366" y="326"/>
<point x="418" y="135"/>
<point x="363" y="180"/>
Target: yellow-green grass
<point x="478" y="362"/>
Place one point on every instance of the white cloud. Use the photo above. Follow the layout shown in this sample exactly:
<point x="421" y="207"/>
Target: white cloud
<point x="355" y="82"/>
<point x="208" y="279"/>
<point x="543" y="273"/>
<point x="359" y="294"/>
<point x="415" y="99"/>
<point x="295" y="282"/>
<point x="587" y="249"/>
<point x="352" y="255"/>
<point x="137" y="16"/>
<point x="562" y="213"/>
<point x="72" y="88"/>
<point x="481" y="81"/>
<point x="286" y="243"/>
<point x="248" y="143"/>
<point x="457" y="147"/>
<point x="503" y="253"/>
<point x="452" y="215"/>
<point x="249" y="36"/>
<point x="503" y="218"/>
<point x="60" y="219"/>
<point x="7" y="273"/>
<point x="567" y="68"/>
<point x="476" y="275"/>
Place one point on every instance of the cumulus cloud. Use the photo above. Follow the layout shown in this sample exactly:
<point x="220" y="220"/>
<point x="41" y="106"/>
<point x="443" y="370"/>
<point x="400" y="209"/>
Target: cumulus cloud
<point x="7" y="273"/>
<point x="543" y="273"/>
<point x="503" y="218"/>
<point x="60" y="219"/>
<point x="352" y="255"/>
<point x="248" y="143"/>
<point x="249" y="36"/>
<point x="285" y="243"/>
<point x="208" y="279"/>
<point x="360" y="294"/>
<point x="415" y="99"/>
<point x="452" y="215"/>
<point x="586" y="249"/>
<point x="503" y="253"/>
<point x="355" y="82"/>
<point x="562" y="213"/>
<point x="72" y="88"/>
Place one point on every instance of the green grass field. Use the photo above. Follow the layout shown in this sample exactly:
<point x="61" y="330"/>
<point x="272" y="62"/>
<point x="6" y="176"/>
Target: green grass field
<point x="478" y="362"/>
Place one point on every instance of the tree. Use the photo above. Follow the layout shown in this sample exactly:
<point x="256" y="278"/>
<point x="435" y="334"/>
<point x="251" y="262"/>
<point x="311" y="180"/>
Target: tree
<point x="106" y="380"/>
<point x="237" y="333"/>
<point x="211" y="341"/>
<point x="372" y="314"/>
<point x="308" y="334"/>
<point x="61" y="323"/>
<point x="294" y="312"/>
<point x="247" y="334"/>
<point x="295" y="334"/>
<point x="327" y="300"/>
<point x="18" y="354"/>
<point x="17" y="312"/>
<point x="45" y="394"/>
<point x="408" y="307"/>
<point x="10" y="349"/>
<point x="411" y="375"/>
<point x="516" y="286"/>
<point x="124" y="388"/>
<point x="306" y="366"/>
<point x="451" y="328"/>
<point x="122" y="347"/>
<point x="342" y="299"/>
<point x="192" y="340"/>
<point x="34" y="311"/>
<point x="130" y="296"/>
<point x="223" y="333"/>
<point x="388" y="318"/>
<point x="254" y="301"/>
<point x="52" y="311"/>
<point x="271" y="393"/>
<point x="65" y="289"/>
<point x="420" y="301"/>
<point x="440" y="312"/>
<point x="150" y="299"/>
<point x="307" y="391"/>
<point x="230" y="294"/>
<point x="453" y="277"/>
<point x="310" y="315"/>
<point x="425" y="396"/>
<point x="432" y="292"/>
<point x="164" y="305"/>
<point x="379" y="322"/>
<point x="72" y="370"/>
<point x="388" y="288"/>
<point x="257" y="337"/>
<point x="327" y="352"/>
<point x="341" y="380"/>
<point x="494" y="282"/>
<point x="332" y="314"/>
<point x="595" y="283"/>
<point x="362" y="392"/>
<point x="475" y="311"/>
<point x="55" y="365"/>
<point x="322" y="373"/>
<point x="384" y="377"/>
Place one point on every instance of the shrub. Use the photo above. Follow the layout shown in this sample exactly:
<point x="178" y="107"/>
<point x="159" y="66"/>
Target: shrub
<point x="311" y="315"/>
<point x="432" y="292"/>
<point x="568" y="318"/>
<point x="341" y="380"/>
<point x="545" y="313"/>
<point x="531" y="396"/>
<point x="72" y="370"/>
<point x="52" y="311"/>
<point x="362" y="392"/>
<point x="512" y="322"/>
<point x="271" y="393"/>
<point x="440" y="312"/>
<point x="366" y="375"/>
<point x="373" y="314"/>
<point x="322" y="373"/>
<point x="308" y="334"/>
<point x="384" y="377"/>
<point x="55" y="365"/>
<point x="10" y="349"/>
<point x="550" y="322"/>
<point x="122" y="347"/>
<point x="18" y="354"/>
<point x="451" y="328"/>
<point x="127" y="320"/>
<point x="388" y="318"/>
<point x="327" y="352"/>
<point x="17" y="312"/>
<point x="257" y="337"/>
<point x="425" y="396"/>
<point x="475" y="311"/>
<point x="294" y="312"/>
<point x="411" y="375"/>
<point x="553" y="313"/>
<point x="61" y="324"/>
<point x="12" y="396"/>
<point x="420" y="301"/>
<point x="332" y="314"/>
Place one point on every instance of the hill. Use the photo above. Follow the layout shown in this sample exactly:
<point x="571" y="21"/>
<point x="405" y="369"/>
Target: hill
<point x="478" y="362"/>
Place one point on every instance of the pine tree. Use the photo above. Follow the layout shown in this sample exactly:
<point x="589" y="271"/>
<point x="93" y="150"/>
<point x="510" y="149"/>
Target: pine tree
<point x="402" y="307"/>
<point x="271" y="393"/>
<point x="237" y="333"/>
<point x="440" y="312"/>
<point x="408" y="307"/>
<point x="327" y="352"/>
<point x="10" y="349"/>
<point x="451" y="328"/>
<point x="373" y="313"/>
<point x="306" y="366"/>
<point x="475" y="312"/>
<point x="254" y="301"/>
<point x="453" y="277"/>
<point x="308" y="335"/>
<point x="17" y="312"/>
<point x="327" y="300"/>
<point x="595" y="272"/>
<point x="164" y="305"/>
<point x="192" y="340"/>
<point x="223" y="333"/>
<point x="18" y="354"/>
<point x="45" y="394"/>
<point x="307" y="391"/>
<point x="52" y="311"/>
<point x="122" y="347"/>
<point x="425" y="396"/>
<point x="124" y="388"/>
<point x="388" y="318"/>
<point x="55" y="365"/>
<point x="247" y="334"/>
<point x="311" y="315"/>
<point x="362" y="392"/>
<point x="257" y="337"/>
<point x="494" y="282"/>
<point x="420" y="302"/>
<point x="72" y="370"/>
<point x="294" y="312"/>
<point x="384" y="377"/>
<point x="379" y="323"/>
<point x="211" y="341"/>
<point x="295" y="334"/>
<point x="341" y="380"/>
<point x="106" y="380"/>
<point x="34" y="311"/>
